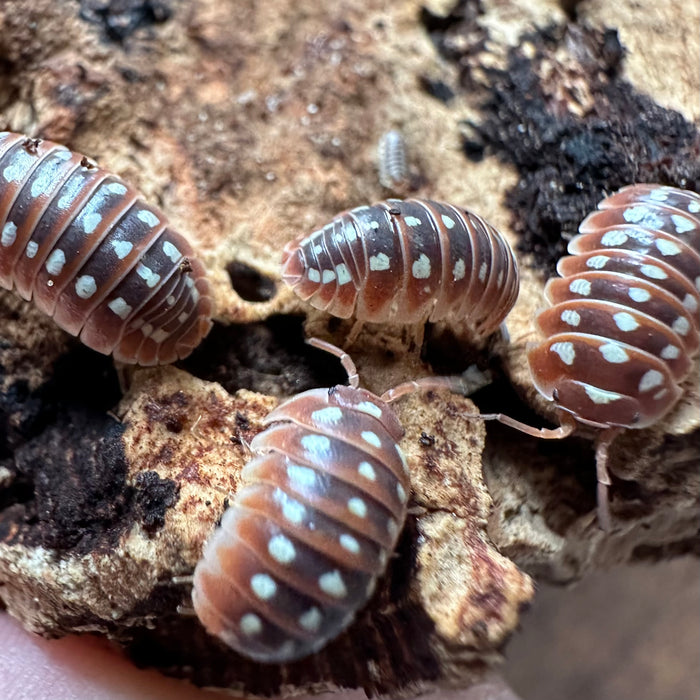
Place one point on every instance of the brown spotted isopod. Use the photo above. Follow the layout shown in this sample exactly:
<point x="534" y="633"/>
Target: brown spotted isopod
<point x="623" y="324"/>
<point x="406" y="262"/>
<point x="89" y="252"/>
<point x="310" y="530"/>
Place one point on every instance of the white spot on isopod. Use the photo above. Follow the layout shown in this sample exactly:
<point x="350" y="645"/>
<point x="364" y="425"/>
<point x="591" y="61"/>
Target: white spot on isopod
<point x="158" y="336"/>
<point x="614" y="238"/>
<point x="332" y="583"/>
<point x="32" y="248"/>
<point x="565" y="351"/>
<point x="171" y="251"/>
<point x="9" y="234"/>
<point x="643" y="216"/>
<point x="316" y="444"/>
<point x="625" y="321"/>
<point x="292" y="510"/>
<point x="314" y="275"/>
<point x="690" y="303"/>
<point x="42" y="182"/>
<point x="13" y="172"/>
<point x="122" y="248"/>
<point x="370" y="408"/>
<point x="597" y="262"/>
<point x="91" y="221"/>
<point x="357" y="507"/>
<point x="650" y="380"/>
<point x="667" y="247"/>
<point x="367" y="470"/>
<point x="371" y="438"/>
<point x="653" y="272"/>
<point x="571" y="317"/>
<point x="331" y="414"/>
<point x="392" y="528"/>
<point x="580" y="286"/>
<point x="613" y="353"/>
<point x="350" y="543"/>
<point x="263" y="586"/>
<point x="85" y="286"/>
<point x="304" y="477"/>
<point x="379" y="262"/>
<point x="116" y="188"/>
<point x="311" y="619"/>
<point x="694" y="207"/>
<point x="148" y="217"/>
<point x="281" y="549"/>
<point x="55" y="262"/>
<point x="459" y="270"/>
<point x="670" y="352"/>
<point x="147" y="275"/>
<point x="682" y="223"/>
<point x="401" y="493"/>
<point x="343" y="273"/>
<point x="404" y="463"/>
<point x="250" y="624"/>
<point x="412" y="221"/>
<point x="681" y="325"/>
<point x="639" y="295"/>
<point x="600" y="396"/>
<point x="482" y="272"/>
<point x="421" y="267"/>
<point x="448" y="221"/>
<point x="658" y="195"/>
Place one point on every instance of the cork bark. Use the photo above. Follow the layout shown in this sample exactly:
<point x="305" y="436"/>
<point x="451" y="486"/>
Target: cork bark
<point x="250" y="123"/>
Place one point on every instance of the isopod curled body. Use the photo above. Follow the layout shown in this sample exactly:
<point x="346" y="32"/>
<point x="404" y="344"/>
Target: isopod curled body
<point x="623" y="327"/>
<point x="406" y="261"/>
<point x="92" y="254"/>
<point x="310" y="530"/>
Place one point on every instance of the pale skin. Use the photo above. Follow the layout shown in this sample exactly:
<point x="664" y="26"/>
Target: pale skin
<point x="89" y="668"/>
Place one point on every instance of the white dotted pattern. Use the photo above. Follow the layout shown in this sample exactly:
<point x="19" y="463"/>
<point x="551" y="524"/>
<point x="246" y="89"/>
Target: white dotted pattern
<point x="263" y="586"/>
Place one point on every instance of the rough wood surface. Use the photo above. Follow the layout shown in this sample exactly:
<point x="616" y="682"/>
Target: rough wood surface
<point x="249" y="123"/>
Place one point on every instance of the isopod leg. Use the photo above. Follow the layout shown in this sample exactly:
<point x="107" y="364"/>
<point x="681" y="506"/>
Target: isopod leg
<point x="186" y="611"/>
<point x="471" y="380"/>
<point x="125" y="375"/>
<point x="354" y="332"/>
<point x="345" y="359"/>
<point x="567" y="426"/>
<point x="601" y="462"/>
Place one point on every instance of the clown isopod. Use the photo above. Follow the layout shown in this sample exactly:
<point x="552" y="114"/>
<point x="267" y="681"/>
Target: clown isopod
<point x="89" y="252"/>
